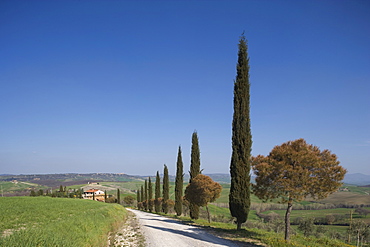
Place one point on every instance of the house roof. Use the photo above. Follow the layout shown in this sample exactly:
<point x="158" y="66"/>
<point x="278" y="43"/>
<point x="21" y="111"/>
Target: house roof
<point x="92" y="190"/>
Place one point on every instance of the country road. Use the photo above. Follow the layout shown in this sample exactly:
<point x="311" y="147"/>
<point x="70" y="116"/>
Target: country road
<point x="160" y="231"/>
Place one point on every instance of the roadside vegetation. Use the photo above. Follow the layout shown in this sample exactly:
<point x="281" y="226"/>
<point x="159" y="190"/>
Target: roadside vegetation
<point x="46" y="221"/>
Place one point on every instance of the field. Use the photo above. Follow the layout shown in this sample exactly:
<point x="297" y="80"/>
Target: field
<point x="45" y="221"/>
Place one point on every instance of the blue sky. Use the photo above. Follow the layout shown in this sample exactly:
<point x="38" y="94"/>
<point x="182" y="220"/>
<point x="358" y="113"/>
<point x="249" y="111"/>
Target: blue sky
<point x="117" y="86"/>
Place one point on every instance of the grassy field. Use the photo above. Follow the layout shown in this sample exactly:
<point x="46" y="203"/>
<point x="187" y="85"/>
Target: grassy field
<point x="45" y="221"/>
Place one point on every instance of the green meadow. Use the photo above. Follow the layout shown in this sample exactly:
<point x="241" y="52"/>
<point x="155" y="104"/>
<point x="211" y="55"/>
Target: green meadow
<point x="46" y="221"/>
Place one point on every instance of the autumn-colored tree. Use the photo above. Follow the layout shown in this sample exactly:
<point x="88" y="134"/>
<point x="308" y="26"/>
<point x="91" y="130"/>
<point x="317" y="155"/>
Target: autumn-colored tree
<point x="179" y="183"/>
<point x="150" y="195"/>
<point x="202" y="190"/>
<point x="194" y="170"/>
<point x="157" y="194"/>
<point x="239" y="196"/>
<point x="293" y="171"/>
<point x="166" y="190"/>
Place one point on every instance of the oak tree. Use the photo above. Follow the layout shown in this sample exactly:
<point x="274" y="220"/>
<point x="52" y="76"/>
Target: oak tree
<point x="293" y="171"/>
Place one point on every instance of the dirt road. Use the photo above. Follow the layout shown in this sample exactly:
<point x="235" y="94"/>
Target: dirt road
<point x="160" y="232"/>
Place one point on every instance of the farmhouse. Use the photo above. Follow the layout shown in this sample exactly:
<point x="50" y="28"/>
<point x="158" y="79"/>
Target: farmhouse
<point x="90" y="194"/>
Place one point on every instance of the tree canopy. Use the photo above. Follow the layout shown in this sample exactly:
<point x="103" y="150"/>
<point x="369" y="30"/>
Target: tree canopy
<point x="295" y="170"/>
<point x="202" y="190"/>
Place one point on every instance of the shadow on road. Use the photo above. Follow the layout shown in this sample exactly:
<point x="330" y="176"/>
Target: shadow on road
<point x="200" y="234"/>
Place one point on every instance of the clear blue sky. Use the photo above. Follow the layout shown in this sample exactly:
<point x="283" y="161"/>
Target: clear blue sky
<point x="117" y="86"/>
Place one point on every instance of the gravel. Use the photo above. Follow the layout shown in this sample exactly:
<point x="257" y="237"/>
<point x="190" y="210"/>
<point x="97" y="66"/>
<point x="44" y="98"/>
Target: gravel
<point x="160" y="231"/>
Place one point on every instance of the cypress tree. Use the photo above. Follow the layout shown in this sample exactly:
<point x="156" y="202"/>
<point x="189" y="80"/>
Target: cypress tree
<point x="138" y="198"/>
<point x="146" y="195"/>
<point x="179" y="184"/>
<point x="142" y="196"/>
<point x="239" y="197"/>
<point x="194" y="171"/>
<point x="93" y="195"/>
<point x="150" y="195"/>
<point x="157" y="193"/>
<point x="105" y="196"/>
<point x="142" y="193"/>
<point x="118" y="196"/>
<point x="166" y="190"/>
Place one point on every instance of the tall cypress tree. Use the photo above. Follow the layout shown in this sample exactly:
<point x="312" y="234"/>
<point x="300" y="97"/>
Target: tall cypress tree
<point x="150" y="195"/>
<point x="118" y="196"/>
<point x="142" y="193"/>
<point x="146" y="195"/>
<point x="239" y="197"/>
<point x="194" y="170"/>
<point x="179" y="183"/>
<point x="138" y="199"/>
<point x="157" y="193"/>
<point x="166" y="190"/>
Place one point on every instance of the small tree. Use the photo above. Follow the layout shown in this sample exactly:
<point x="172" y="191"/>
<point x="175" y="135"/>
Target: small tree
<point x="307" y="226"/>
<point x="360" y="230"/>
<point x="105" y="196"/>
<point x="33" y="193"/>
<point x="166" y="190"/>
<point x="201" y="191"/>
<point x="129" y="200"/>
<point x="295" y="170"/>
<point x="179" y="183"/>
<point x="157" y="195"/>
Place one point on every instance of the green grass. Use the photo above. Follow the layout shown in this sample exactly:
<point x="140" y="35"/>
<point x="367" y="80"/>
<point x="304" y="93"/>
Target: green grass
<point x="45" y="221"/>
<point x="257" y="236"/>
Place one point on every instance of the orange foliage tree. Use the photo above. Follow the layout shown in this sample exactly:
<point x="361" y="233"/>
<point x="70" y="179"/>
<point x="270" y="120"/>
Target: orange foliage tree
<point x="202" y="190"/>
<point x="293" y="171"/>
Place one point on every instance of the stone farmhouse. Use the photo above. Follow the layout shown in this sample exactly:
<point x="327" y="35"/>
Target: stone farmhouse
<point x="90" y="194"/>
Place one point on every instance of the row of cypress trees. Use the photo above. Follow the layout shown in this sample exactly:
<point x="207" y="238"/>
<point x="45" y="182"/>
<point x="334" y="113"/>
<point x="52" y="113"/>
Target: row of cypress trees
<point x="144" y="195"/>
<point x="240" y="165"/>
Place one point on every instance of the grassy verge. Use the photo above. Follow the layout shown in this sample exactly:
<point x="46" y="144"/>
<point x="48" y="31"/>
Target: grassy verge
<point x="45" y="221"/>
<point x="259" y="237"/>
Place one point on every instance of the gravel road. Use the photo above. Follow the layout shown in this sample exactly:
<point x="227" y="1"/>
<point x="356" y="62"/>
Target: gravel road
<point x="160" y="232"/>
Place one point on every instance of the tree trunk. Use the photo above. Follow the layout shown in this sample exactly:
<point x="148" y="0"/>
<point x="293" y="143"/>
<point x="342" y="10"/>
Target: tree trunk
<point x="209" y="216"/>
<point x="287" y="221"/>
<point x="239" y="225"/>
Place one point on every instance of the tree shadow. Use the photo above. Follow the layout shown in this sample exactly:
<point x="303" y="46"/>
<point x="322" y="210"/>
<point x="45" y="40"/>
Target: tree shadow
<point x="199" y="234"/>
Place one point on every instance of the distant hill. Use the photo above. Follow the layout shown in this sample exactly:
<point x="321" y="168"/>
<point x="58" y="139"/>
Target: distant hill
<point x="357" y="179"/>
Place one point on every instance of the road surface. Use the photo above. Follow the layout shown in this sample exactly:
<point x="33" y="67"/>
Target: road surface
<point x="160" y="231"/>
